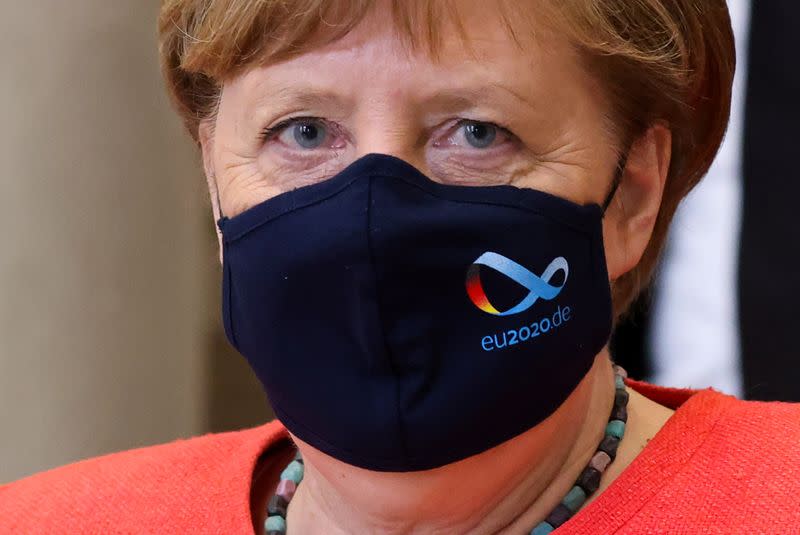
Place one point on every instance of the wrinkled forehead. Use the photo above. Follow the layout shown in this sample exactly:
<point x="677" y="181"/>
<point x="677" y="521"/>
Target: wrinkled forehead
<point x="441" y="29"/>
<point x="236" y="36"/>
<point x="418" y="53"/>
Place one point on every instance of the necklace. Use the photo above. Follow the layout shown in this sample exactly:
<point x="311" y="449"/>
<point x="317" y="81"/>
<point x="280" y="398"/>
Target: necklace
<point x="587" y="483"/>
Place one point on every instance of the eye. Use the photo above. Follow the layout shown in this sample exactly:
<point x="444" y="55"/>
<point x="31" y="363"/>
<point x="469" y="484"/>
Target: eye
<point x="479" y="135"/>
<point x="303" y="133"/>
<point x="308" y="134"/>
<point x="471" y="152"/>
<point x="470" y="134"/>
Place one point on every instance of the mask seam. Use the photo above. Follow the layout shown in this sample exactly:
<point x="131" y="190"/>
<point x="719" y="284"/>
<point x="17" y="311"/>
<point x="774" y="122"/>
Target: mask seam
<point x="389" y="356"/>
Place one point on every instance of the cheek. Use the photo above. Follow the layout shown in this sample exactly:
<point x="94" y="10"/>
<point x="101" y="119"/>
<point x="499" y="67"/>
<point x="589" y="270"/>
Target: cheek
<point x="242" y="185"/>
<point x="285" y="174"/>
<point x="249" y="181"/>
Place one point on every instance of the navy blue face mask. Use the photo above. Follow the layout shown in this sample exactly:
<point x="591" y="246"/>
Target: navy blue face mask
<point x="400" y="324"/>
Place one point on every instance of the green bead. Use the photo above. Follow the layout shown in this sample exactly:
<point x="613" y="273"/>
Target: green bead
<point x="275" y="523"/>
<point x="615" y="428"/>
<point x="542" y="529"/>
<point x="619" y="382"/>
<point x="294" y="472"/>
<point x="574" y="499"/>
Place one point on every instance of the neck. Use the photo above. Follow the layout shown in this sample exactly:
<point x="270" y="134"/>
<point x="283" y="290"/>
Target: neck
<point x="507" y="489"/>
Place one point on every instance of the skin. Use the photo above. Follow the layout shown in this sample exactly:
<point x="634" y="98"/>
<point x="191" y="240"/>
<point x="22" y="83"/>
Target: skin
<point x="372" y="94"/>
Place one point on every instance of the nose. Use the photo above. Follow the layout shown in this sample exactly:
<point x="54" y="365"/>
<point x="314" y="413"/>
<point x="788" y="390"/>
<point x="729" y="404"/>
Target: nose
<point x="389" y="126"/>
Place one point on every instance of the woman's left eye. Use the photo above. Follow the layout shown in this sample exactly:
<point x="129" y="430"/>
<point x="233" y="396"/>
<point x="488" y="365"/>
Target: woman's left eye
<point x="475" y="134"/>
<point x="480" y="135"/>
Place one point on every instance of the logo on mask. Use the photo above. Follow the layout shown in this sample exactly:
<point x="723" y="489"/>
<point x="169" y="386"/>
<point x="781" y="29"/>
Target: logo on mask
<point x="538" y="287"/>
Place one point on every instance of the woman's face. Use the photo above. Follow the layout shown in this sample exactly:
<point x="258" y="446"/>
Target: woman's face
<point x="489" y="110"/>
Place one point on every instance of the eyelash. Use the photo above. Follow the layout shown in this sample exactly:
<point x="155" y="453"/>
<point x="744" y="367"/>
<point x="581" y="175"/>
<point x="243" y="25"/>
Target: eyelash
<point x="500" y="127"/>
<point x="272" y="131"/>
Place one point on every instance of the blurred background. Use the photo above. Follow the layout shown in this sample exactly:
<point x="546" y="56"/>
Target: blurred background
<point x="109" y="277"/>
<point x="109" y="331"/>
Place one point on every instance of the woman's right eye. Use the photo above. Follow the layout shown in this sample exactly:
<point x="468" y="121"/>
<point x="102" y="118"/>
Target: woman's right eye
<point x="303" y="134"/>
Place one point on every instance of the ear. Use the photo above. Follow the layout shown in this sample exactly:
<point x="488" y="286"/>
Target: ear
<point x="631" y="216"/>
<point x="205" y="135"/>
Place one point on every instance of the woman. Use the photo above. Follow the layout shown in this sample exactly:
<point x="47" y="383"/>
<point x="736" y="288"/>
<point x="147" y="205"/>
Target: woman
<point x="430" y="214"/>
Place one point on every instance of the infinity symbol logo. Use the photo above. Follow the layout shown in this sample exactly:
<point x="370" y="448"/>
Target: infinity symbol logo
<point x="538" y="287"/>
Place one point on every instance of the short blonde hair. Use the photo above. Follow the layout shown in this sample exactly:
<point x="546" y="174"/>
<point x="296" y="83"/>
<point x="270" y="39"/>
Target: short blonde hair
<point x="659" y="60"/>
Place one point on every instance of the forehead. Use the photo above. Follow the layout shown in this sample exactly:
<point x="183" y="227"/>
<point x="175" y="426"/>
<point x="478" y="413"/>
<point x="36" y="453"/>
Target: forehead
<point x="480" y="45"/>
<point x="231" y="38"/>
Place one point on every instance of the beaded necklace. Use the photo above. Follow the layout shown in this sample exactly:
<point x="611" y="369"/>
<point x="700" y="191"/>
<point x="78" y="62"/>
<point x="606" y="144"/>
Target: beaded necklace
<point x="586" y="484"/>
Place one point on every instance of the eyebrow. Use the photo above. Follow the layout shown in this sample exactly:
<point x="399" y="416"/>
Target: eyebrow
<point x="460" y="98"/>
<point x="304" y="96"/>
<point x="497" y="102"/>
<point x="444" y="99"/>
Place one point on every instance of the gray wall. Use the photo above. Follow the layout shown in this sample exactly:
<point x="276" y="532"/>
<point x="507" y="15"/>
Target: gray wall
<point x="107" y="270"/>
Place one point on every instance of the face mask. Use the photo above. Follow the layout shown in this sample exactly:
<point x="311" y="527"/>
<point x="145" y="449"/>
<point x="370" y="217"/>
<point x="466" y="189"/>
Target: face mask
<point x="399" y="324"/>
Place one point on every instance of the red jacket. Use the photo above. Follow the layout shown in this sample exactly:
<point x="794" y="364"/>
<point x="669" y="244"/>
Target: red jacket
<point x="719" y="465"/>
